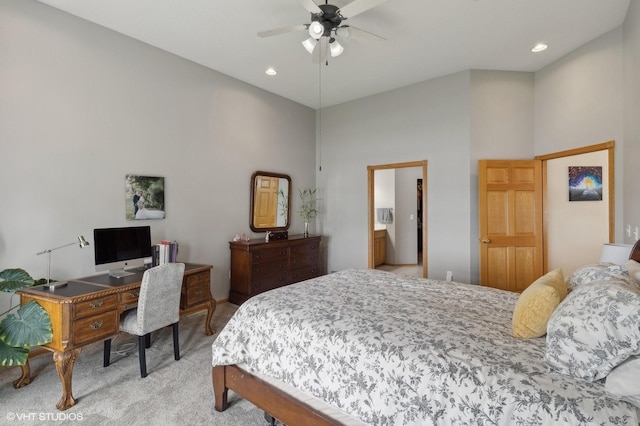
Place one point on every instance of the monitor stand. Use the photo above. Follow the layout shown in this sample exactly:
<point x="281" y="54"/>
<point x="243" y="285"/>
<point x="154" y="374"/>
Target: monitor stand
<point x="119" y="273"/>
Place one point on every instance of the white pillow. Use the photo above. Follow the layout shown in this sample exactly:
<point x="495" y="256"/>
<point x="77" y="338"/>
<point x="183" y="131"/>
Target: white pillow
<point x="597" y="272"/>
<point x="594" y="329"/>
<point x="624" y="380"/>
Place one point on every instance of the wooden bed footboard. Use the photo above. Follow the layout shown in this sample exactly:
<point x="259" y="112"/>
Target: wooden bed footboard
<point x="274" y="401"/>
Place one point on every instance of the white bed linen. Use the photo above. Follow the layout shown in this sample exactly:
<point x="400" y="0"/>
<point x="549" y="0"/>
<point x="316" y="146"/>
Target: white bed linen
<point x="397" y="350"/>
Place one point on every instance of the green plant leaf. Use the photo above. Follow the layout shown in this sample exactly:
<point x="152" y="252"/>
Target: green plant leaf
<point x="14" y="279"/>
<point x="31" y="328"/>
<point x="10" y="355"/>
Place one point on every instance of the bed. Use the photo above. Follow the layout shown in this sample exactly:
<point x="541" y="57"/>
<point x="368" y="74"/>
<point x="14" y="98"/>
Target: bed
<point x="371" y="347"/>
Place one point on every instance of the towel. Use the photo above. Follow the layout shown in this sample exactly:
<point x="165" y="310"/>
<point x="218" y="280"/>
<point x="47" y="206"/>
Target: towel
<point x="384" y="215"/>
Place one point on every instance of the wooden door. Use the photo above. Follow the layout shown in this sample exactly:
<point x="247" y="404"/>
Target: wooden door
<point x="266" y="202"/>
<point x="510" y="215"/>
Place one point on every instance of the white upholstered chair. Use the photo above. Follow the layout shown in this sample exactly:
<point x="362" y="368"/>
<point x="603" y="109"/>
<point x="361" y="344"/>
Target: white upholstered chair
<point x="158" y="307"/>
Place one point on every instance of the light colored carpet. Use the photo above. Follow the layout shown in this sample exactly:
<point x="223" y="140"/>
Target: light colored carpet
<point x="174" y="392"/>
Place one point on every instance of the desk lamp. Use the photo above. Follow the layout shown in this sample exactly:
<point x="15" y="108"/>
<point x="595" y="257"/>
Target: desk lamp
<point x="52" y="286"/>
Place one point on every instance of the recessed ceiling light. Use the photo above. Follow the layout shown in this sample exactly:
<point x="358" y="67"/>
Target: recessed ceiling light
<point x="271" y="71"/>
<point x="539" y="47"/>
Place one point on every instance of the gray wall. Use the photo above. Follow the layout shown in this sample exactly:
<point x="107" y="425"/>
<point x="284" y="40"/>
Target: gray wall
<point x="631" y="158"/>
<point x="82" y="106"/>
<point x="579" y="101"/>
<point x="428" y="120"/>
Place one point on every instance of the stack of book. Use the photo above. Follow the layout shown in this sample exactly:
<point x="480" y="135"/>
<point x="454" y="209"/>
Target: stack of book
<point x="165" y="252"/>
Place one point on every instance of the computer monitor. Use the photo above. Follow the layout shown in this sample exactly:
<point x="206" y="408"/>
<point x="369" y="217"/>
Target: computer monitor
<point x="119" y="248"/>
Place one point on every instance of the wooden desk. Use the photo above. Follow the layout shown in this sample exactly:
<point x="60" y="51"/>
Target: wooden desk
<point x="88" y="309"/>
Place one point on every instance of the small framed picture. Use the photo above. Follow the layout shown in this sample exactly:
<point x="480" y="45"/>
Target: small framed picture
<point x="144" y="197"/>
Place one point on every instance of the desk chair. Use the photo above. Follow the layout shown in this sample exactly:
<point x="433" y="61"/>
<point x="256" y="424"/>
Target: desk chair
<point x="158" y="307"/>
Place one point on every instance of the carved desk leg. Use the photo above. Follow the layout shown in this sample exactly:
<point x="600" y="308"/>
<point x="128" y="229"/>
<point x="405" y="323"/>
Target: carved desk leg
<point x="64" y="365"/>
<point x="25" y="378"/>
<point x="211" y="308"/>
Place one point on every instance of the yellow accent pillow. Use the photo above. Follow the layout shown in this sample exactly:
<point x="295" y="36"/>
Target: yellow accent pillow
<point x="536" y="305"/>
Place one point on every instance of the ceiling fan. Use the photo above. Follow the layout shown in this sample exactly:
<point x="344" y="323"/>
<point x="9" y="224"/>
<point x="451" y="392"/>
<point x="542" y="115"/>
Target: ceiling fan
<point x="326" y="24"/>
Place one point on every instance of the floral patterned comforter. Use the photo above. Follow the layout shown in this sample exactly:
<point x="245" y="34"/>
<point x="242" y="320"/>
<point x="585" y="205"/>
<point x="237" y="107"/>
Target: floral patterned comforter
<point x="391" y="349"/>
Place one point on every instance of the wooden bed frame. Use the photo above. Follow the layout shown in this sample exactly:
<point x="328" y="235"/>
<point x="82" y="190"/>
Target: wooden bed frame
<point x="272" y="400"/>
<point x="275" y="402"/>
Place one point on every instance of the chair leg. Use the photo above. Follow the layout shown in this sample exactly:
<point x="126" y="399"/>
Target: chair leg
<point x="107" y="353"/>
<point x="176" y="342"/>
<point x="142" y="356"/>
<point x="147" y="340"/>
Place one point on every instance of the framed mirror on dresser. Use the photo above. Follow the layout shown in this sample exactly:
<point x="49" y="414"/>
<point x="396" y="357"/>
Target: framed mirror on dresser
<point x="270" y="195"/>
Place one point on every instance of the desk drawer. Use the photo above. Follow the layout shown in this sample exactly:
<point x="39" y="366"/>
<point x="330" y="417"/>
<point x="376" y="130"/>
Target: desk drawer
<point x="198" y="279"/>
<point x="129" y="297"/>
<point x="95" y="328"/>
<point x="95" y="306"/>
<point x="197" y="294"/>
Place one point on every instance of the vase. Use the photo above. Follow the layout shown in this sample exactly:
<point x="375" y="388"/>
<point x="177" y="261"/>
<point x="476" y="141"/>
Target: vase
<point x="306" y="229"/>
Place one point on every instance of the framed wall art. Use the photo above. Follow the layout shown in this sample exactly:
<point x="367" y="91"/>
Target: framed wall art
<point x="144" y="197"/>
<point x="585" y="183"/>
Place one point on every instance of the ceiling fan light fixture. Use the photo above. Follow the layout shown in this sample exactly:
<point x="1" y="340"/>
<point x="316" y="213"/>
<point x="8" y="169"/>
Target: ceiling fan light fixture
<point x="336" y="48"/>
<point x="310" y="44"/>
<point x="316" y="29"/>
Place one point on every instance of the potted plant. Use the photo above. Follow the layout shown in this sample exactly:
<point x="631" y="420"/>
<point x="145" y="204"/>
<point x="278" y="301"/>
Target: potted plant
<point x="31" y="326"/>
<point x="308" y="210"/>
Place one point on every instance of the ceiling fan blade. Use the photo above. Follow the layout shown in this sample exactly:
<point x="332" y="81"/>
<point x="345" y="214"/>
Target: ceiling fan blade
<point x="282" y="30"/>
<point x="358" y="6"/>
<point x="310" y="6"/>
<point x="360" y="34"/>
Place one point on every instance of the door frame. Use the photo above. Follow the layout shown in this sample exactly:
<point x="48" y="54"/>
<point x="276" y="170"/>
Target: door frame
<point x="371" y="187"/>
<point x="609" y="146"/>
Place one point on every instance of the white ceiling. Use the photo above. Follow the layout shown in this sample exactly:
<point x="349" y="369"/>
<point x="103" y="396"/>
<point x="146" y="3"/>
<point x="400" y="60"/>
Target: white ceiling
<point x="425" y="39"/>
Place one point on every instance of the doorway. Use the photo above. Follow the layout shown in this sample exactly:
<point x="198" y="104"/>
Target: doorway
<point x="418" y="218"/>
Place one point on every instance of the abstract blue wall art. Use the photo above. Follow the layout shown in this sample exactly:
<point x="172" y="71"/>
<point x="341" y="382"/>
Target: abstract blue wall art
<point x="585" y="183"/>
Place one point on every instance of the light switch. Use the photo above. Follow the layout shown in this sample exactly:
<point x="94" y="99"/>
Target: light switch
<point x="411" y="217"/>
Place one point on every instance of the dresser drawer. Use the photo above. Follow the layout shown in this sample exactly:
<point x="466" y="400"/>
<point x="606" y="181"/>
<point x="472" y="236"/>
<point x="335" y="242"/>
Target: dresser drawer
<point x="304" y="261"/>
<point x="196" y="294"/>
<point x="305" y="249"/>
<point x="269" y="268"/>
<point x="304" y="274"/>
<point x="269" y="283"/>
<point x="266" y="255"/>
<point x="95" y="328"/>
<point x="198" y="279"/>
<point x="95" y="306"/>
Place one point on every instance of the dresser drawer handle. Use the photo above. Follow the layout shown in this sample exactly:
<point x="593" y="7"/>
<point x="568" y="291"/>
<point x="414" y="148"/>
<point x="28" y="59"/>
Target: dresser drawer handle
<point x="134" y="293"/>
<point x="198" y="277"/>
<point x="96" y="325"/>
<point x="199" y="293"/>
<point x="96" y="304"/>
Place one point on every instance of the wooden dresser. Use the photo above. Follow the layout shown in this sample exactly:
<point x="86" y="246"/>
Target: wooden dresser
<point x="258" y="266"/>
